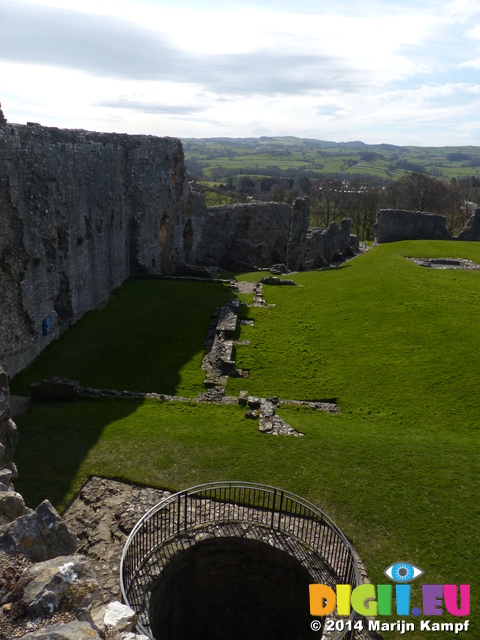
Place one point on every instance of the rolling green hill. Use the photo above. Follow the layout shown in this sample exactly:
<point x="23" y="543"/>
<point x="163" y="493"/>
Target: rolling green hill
<point x="266" y="155"/>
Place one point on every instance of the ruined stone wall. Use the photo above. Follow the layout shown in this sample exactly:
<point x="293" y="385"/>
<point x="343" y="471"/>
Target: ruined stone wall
<point x="326" y="245"/>
<point x="256" y="234"/>
<point x="82" y="211"/>
<point x="393" y="225"/>
<point x="79" y="213"/>
<point x="471" y="231"/>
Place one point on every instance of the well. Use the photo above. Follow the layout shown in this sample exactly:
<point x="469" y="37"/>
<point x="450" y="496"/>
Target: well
<point x="232" y="560"/>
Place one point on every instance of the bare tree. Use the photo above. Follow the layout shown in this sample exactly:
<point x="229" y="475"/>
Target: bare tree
<point x="420" y="192"/>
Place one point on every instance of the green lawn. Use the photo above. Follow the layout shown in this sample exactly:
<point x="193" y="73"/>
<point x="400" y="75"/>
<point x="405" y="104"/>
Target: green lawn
<point x="149" y="338"/>
<point x="395" y="344"/>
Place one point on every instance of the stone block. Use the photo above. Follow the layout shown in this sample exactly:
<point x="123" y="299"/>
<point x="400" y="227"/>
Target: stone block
<point x="5" y="477"/>
<point x="64" y="580"/>
<point x="70" y="631"/>
<point x="242" y="398"/>
<point x="41" y="535"/>
<point x="12" y="507"/>
<point x="120" y="617"/>
<point x="254" y="402"/>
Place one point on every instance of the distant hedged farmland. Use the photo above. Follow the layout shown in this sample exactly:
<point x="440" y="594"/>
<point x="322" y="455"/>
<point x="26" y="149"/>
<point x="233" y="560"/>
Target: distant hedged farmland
<point x="349" y="179"/>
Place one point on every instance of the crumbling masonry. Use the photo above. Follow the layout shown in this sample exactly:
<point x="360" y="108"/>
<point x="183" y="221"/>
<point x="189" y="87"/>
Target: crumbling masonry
<point x="81" y="211"/>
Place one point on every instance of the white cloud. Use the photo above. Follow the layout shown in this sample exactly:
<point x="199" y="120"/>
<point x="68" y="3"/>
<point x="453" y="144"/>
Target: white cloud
<point x="367" y="71"/>
<point x="463" y="10"/>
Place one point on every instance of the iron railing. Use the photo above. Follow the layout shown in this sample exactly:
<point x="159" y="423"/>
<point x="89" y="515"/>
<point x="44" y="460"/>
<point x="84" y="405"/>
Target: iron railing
<point x="224" y="509"/>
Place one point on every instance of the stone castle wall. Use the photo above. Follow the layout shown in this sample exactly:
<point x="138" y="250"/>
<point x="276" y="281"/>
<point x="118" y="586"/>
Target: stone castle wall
<point x="393" y="225"/>
<point x="79" y="213"/>
<point x="256" y="234"/>
<point x="82" y="211"/>
<point x="326" y="245"/>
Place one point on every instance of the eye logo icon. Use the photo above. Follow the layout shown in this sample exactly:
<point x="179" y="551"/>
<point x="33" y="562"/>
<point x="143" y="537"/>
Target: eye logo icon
<point x="402" y="572"/>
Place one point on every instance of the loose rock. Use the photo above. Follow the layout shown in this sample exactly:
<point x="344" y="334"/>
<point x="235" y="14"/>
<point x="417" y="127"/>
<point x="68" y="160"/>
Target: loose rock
<point x="70" y="631"/>
<point x="49" y="584"/>
<point x="119" y="616"/>
<point x="12" y="506"/>
<point x="41" y="535"/>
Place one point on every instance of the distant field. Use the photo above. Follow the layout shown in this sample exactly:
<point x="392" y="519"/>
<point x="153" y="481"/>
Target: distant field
<point x="387" y="162"/>
<point x="398" y="347"/>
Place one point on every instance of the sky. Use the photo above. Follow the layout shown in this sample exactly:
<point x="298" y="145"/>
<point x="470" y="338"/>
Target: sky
<point x="403" y="72"/>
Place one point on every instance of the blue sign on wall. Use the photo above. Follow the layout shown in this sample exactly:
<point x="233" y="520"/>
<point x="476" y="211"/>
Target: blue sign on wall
<point x="46" y="325"/>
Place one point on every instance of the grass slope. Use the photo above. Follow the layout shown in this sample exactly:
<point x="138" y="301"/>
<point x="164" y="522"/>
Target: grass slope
<point x="396" y="344"/>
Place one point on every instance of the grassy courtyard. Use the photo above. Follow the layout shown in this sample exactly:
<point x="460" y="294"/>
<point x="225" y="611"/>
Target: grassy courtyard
<point x="395" y="344"/>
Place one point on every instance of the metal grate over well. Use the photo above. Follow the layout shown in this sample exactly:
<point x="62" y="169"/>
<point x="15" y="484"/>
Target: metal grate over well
<point x="233" y="509"/>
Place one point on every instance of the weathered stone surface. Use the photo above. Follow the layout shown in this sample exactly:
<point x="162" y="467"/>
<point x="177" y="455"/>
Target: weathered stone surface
<point x="70" y="631"/>
<point x="82" y="211"/>
<point x="273" y="424"/>
<point x="257" y="234"/>
<point x="8" y="432"/>
<point x="41" y="535"/>
<point x="273" y="280"/>
<point x="79" y="212"/>
<point x="279" y="269"/>
<point x="330" y="245"/>
<point x="471" y="231"/>
<point x="3" y="120"/>
<point x="196" y="271"/>
<point x="254" y="402"/>
<point x="4" y="396"/>
<point x="393" y="225"/>
<point x="103" y="515"/>
<point x="299" y="223"/>
<point x="217" y="361"/>
<point x="8" y="438"/>
<point x="62" y="581"/>
<point x="5" y="477"/>
<point x="242" y="398"/>
<point x="119" y="616"/>
<point x="19" y="405"/>
<point x="12" y="506"/>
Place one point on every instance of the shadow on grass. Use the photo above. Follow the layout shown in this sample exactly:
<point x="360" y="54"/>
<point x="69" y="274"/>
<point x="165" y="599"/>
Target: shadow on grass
<point x="148" y="338"/>
<point x="335" y="267"/>
<point x="51" y="450"/>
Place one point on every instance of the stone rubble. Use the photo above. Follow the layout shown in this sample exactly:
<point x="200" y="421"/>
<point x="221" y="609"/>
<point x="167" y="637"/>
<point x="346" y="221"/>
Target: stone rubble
<point x="270" y="423"/>
<point x="41" y="535"/>
<point x="103" y="514"/>
<point x="120" y="617"/>
<point x="274" y="281"/>
<point x="12" y="506"/>
<point x="217" y="361"/>
<point x="63" y="581"/>
<point x="77" y="630"/>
